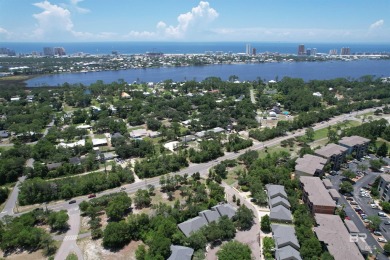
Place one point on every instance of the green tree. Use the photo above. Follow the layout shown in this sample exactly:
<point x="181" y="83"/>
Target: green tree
<point x="115" y="235"/>
<point x="118" y="206"/>
<point x="310" y="248"/>
<point x="386" y="248"/>
<point x="375" y="165"/>
<point x="385" y="206"/>
<point x="309" y="133"/>
<point x="349" y="174"/>
<point x="382" y="150"/>
<point x="268" y="246"/>
<point x="142" y="199"/>
<point x="234" y="250"/>
<point x="58" y="220"/>
<point x="265" y="224"/>
<point x="244" y="218"/>
<point x="346" y="187"/>
<point x="374" y="223"/>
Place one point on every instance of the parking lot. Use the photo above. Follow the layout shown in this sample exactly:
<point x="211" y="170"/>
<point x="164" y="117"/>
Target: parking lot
<point x="360" y="205"/>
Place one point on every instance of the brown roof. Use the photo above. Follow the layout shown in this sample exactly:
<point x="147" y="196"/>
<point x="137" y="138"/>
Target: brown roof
<point x="353" y="140"/>
<point x="330" y="149"/>
<point x="332" y="232"/>
<point x="310" y="163"/>
<point x="317" y="193"/>
<point x="385" y="177"/>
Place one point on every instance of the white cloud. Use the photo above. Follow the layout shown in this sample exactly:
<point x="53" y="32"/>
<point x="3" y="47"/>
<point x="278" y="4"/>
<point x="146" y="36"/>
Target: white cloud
<point x="54" y="22"/>
<point x="3" y="31"/>
<point x="196" y="20"/>
<point x="377" y="24"/>
<point x="74" y="5"/>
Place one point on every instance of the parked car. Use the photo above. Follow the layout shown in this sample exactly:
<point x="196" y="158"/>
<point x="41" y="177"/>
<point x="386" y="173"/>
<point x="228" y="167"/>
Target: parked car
<point x="382" y="240"/>
<point x="123" y="188"/>
<point x="387" y="222"/>
<point x="377" y="233"/>
<point x="374" y="206"/>
<point x="354" y="203"/>
<point x="382" y="214"/>
<point x="91" y="196"/>
<point x="349" y="198"/>
<point x="72" y="201"/>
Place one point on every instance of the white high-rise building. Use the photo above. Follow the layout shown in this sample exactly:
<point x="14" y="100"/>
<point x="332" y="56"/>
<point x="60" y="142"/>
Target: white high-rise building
<point x="248" y="49"/>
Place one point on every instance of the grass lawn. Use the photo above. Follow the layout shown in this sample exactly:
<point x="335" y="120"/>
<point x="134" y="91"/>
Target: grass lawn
<point x="232" y="174"/>
<point x="273" y="149"/>
<point x="322" y="133"/>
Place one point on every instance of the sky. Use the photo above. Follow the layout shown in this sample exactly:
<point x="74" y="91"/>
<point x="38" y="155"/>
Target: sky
<point x="306" y="21"/>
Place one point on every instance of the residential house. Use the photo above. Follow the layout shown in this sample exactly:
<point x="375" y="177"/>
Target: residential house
<point x="181" y="253"/>
<point x="278" y="203"/>
<point x="172" y="146"/>
<point x="4" y="134"/>
<point x="286" y="242"/>
<point x="139" y="133"/>
<point x="356" y="145"/>
<point x="99" y="141"/>
<point x="335" y="237"/>
<point x="205" y="217"/>
<point x="75" y="160"/>
<point x="316" y="196"/>
<point x="53" y="166"/>
<point x="333" y="153"/>
<point x="310" y="165"/>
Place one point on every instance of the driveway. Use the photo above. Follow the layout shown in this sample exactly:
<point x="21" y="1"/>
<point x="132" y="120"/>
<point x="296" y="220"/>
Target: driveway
<point x="69" y="243"/>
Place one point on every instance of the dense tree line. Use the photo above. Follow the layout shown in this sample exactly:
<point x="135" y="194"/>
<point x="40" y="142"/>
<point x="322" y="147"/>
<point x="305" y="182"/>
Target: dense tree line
<point x="24" y="233"/>
<point x="37" y="190"/>
<point x="12" y="163"/>
<point x="209" y="150"/>
<point x="156" y="166"/>
<point x="235" y="143"/>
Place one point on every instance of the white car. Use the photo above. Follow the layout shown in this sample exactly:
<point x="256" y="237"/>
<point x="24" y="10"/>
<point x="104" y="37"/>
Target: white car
<point x="382" y="214"/>
<point x="374" y="206"/>
<point x="377" y="233"/>
<point x="382" y="240"/>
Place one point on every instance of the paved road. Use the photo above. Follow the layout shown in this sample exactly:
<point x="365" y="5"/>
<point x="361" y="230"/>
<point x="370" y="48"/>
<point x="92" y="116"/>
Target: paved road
<point x="351" y="213"/>
<point x="69" y="243"/>
<point x="250" y="237"/>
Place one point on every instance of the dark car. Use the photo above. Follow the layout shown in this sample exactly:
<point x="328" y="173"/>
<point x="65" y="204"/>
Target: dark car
<point x="91" y="196"/>
<point x="349" y="198"/>
<point x="72" y="201"/>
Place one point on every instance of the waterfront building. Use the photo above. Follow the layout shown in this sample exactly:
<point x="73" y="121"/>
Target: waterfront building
<point x="333" y="52"/>
<point x="60" y="51"/>
<point x="48" y="51"/>
<point x="248" y="49"/>
<point x="345" y="51"/>
<point x="301" y="49"/>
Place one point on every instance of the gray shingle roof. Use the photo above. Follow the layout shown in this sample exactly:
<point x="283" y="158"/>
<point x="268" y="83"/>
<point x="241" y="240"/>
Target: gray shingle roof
<point x="279" y="201"/>
<point x="181" y="253"/>
<point x="284" y="235"/>
<point x="275" y="190"/>
<point x="225" y="210"/>
<point x="280" y="213"/>
<point x="192" y="225"/>
<point x="287" y="253"/>
<point x="210" y="215"/>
